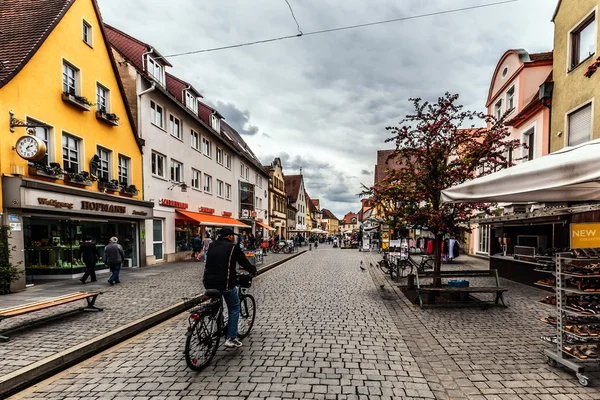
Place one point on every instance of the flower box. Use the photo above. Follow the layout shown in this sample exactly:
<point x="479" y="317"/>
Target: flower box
<point x="82" y="178"/>
<point x="108" y="187"/>
<point x="130" y="191"/>
<point x="76" y="101"/>
<point x="110" y="119"/>
<point x="46" y="171"/>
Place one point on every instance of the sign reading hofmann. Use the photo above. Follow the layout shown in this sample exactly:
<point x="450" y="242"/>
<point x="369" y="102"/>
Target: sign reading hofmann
<point x="111" y="208"/>
<point x="585" y="236"/>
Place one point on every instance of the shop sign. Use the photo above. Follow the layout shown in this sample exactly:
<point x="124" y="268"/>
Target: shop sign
<point x="55" y="203"/>
<point x="226" y="214"/>
<point x="111" y="208"/>
<point x="245" y="213"/>
<point x="173" y="203"/>
<point x="253" y="214"/>
<point x="13" y="218"/>
<point x="206" y="210"/>
<point x="585" y="236"/>
<point x="15" y="226"/>
<point x="259" y="219"/>
<point x="136" y="212"/>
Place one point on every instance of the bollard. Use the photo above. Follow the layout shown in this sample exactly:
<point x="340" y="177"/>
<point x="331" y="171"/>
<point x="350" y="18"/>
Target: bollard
<point x="310" y="247"/>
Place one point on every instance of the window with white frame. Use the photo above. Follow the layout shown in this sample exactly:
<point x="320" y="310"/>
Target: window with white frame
<point x="207" y="183"/>
<point x="215" y="123"/>
<point x="227" y="158"/>
<point x="219" y="156"/>
<point x="219" y="188"/>
<point x="206" y="147"/>
<point x="196" y="178"/>
<point x="102" y="98"/>
<point x="580" y="125"/>
<point x="71" y="147"/>
<point x="104" y="164"/>
<point x="498" y="109"/>
<point x="260" y="181"/>
<point x="176" y="171"/>
<point x="70" y="74"/>
<point x="159" y="164"/>
<point x="510" y="98"/>
<point x="583" y="41"/>
<point x="86" y="33"/>
<point x="195" y="140"/>
<point x="529" y="139"/>
<point x="175" y="126"/>
<point x="43" y="133"/>
<point x="191" y="102"/>
<point x="484" y="239"/>
<point x="247" y="173"/>
<point x="157" y="115"/>
<point x="256" y="178"/>
<point x="124" y="163"/>
<point x="156" y="70"/>
<point x="228" y="191"/>
<point x="242" y="170"/>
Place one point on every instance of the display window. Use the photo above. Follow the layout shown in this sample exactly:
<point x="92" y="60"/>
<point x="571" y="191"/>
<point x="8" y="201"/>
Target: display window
<point x="185" y="231"/>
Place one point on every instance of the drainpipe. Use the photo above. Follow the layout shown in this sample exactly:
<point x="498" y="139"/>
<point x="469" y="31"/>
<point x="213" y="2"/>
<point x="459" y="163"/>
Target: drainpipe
<point x="144" y="58"/>
<point x="189" y="87"/>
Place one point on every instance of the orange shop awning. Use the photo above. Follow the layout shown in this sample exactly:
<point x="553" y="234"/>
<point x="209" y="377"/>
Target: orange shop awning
<point x="264" y="225"/>
<point x="212" y="220"/>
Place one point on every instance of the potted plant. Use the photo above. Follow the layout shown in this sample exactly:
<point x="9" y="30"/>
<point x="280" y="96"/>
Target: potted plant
<point x="78" y="101"/>
<point x="130" y="190"/>
<point x="112" y="119"/>
<point x="9" y="272"/>
<point x="82" y="178"/>
<point x="110" y="186"/>
<point x="54" y="170"/>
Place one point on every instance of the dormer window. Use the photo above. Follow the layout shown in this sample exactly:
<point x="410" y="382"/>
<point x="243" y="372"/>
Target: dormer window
<point x="156" y="70"/>
<point x="191" y="102"/>
<point x="215" y="123"/>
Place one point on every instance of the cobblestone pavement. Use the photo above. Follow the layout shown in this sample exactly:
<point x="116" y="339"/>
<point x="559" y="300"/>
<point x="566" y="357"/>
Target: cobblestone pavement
<point x="143" y="291"/>
<point x="322" y="332"/>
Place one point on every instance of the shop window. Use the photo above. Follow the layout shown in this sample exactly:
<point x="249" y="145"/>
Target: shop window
<point x="158" y="164"/>
<point x="175" y="127"/>
<point x="176" y="171"/>
<point x="157" y="238"/>
<point x="583" y="41"/>
<point x="124" y="163"/>
<point x="196" y="179"/>
<point x="195" y="140"/>
<point x="580" y="125"/>
<point x="228" y="191"/>
<point x="102" y="98"/>
<point x="43" y="133"/>
<point x="207" y="183"/>
<point x="219" y="188"/>
<point x="71" y="147"/>
<point x="484" y="239"/>
<point x="104" y="165"/>
<point x="184" y="234"/>
<point x="246" y="196"/>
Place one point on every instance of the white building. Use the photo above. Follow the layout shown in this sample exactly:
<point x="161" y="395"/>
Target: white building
<point x="294" y="188"/>
<point x="191" y="158"/>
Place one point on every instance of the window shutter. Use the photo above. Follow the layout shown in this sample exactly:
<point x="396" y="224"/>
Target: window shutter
<point x="580" y="125"/>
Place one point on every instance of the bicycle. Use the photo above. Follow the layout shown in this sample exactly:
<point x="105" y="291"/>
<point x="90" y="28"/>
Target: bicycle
<point x="207" y="324"/>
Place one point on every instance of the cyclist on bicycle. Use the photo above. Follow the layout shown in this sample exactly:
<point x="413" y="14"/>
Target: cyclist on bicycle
<point x="220" y="273"/>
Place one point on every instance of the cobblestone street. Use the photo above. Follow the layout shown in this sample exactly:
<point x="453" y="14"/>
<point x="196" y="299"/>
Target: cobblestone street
<point x="327" y="330"/>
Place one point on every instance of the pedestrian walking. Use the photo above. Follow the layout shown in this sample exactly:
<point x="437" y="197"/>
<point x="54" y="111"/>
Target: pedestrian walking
<point x="197" y="247"/>
<point x="113" y="257"/>
<point x="205" y="243"/>
<point x="89" y="254"/>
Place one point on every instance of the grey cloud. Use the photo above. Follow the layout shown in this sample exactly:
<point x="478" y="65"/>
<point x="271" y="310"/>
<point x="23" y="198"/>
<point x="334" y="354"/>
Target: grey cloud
<point x="266" y="135"/>
<point x="237" y="118"/>
<point x="365" y="172"/>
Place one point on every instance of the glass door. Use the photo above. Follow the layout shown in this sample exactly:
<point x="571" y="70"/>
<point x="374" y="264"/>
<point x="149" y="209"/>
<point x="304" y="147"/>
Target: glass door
<point x="157" y="239"/>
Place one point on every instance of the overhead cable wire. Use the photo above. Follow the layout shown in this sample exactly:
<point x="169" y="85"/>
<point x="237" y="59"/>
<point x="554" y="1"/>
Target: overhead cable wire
<point x="456" y="10"/>
<point x="293" y="16"/>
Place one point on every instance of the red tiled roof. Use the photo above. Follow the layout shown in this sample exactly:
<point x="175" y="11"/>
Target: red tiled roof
<point x="316" y="203"/>
<point x="175" y="86"/>
<point x="311" y="205"/>
<point x="328" y="214"/>
<point x="348" y="218"/>
<point x="547" y="56"/>
<point x="292" y="186"/>
<point x="131" y="48"/>
<point x="24" y="26"/>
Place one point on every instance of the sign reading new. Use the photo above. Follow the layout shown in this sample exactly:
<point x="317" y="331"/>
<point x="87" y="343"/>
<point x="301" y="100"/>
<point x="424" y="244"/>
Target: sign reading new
<point x="585" y="236"/>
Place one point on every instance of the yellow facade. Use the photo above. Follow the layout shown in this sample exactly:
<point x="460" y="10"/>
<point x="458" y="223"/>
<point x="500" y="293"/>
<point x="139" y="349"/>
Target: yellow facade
<point x="571" y="88"/>
<point x="35" y="92"/>
<point x="333" y="226"/>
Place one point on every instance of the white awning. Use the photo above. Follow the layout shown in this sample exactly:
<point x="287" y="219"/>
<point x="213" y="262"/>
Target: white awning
<point x="570" y="174"/>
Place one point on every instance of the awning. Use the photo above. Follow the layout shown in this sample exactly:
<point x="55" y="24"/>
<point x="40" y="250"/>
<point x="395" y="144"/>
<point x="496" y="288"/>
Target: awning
<point x="212" y="220"/>
<point x="264" y="225"/>
<point x="571" y="174"/>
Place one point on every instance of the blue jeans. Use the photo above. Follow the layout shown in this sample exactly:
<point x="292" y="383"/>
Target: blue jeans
<point x="115" y="269"/>
<point x="205" y="252"/>
<point x="233" y="307"/>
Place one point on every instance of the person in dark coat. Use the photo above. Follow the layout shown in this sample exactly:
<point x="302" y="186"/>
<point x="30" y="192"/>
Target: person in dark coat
<point x="113" y="257"/>
<point x="197" y="247"/>
<point x="220" y="273"/>
<point x="89" y="254"/>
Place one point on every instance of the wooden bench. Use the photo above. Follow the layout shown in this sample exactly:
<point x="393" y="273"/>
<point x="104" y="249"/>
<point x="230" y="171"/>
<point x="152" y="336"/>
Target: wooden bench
<point x="492" y="273"/>
<point x="15" y="311"/>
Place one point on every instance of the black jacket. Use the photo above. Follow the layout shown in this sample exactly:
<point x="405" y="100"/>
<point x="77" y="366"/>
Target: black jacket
<point x="220" y="271"/>
<point x="113" y="254"/>
<point x="88" y="253"/>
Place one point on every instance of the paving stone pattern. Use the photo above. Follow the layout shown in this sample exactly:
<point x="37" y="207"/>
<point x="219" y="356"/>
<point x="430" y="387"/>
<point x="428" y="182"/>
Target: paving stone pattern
<point x="322" y="332"/>
<point x="143" y="291"/>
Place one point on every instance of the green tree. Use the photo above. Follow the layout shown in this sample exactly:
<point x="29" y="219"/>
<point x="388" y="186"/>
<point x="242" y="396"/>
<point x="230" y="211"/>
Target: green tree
<point x="9" y="272"/>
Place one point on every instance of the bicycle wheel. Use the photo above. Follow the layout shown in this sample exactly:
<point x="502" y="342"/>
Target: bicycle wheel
<point x="385" y="267"/>
<point x="247" y="315"/>
<point x="288" y="249"/>
<point x="427" y="264"/>
<point x="202" y="342"/>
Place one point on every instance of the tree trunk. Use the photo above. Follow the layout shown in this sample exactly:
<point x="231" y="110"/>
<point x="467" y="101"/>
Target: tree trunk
<point x="437" y="253"/>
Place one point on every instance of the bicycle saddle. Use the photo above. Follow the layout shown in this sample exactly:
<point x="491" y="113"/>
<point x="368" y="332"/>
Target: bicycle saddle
<point x="213" y="293"/>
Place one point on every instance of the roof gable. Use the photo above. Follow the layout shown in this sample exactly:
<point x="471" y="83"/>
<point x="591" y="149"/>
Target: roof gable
<point x="292" y="186"/>
<point x="556" y="10"/>
<point x="328" y="214"/>
<point x="131" y="48"/>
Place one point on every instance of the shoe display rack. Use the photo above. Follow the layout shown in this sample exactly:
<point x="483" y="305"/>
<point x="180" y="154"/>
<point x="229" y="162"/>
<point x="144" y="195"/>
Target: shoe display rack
<point x="576" y="344"/>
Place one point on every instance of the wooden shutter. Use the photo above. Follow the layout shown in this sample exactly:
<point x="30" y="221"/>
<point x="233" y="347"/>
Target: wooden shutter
<point x="580" y="125"/>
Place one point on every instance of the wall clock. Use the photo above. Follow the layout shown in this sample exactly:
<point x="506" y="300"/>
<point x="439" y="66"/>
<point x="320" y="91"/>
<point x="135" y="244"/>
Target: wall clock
<point x="30" y="148"/>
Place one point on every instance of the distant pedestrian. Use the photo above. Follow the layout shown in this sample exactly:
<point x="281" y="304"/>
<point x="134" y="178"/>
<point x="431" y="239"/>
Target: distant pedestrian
<point x="205" y="243"/>
<point x="197" y="247"/>
<point x="113" y="257"/>
<point x="89" y="254"/>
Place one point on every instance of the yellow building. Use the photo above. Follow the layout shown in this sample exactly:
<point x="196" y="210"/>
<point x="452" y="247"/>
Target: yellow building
<point x="333" y="224"/>
<point x="573" y="99"/>
<point x="69" y="153"/>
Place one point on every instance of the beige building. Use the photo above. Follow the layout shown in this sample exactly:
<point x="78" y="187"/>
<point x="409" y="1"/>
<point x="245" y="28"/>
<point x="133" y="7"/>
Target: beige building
<point x="575" y="48"/>
<point x="333" y="224"/>
<point x="277" y="198"/>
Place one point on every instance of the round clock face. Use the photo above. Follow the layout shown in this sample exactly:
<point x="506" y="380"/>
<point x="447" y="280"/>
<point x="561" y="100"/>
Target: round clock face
<point x="31" y="148"/>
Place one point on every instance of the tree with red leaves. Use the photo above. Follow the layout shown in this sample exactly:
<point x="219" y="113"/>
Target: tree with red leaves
<point x="435" y="153"/>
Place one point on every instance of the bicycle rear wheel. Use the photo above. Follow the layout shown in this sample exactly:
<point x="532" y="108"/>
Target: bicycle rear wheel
<point x="202" y="341"/>
<point x="385" y="267"/>
<point x="247" y="315"/>
<point x="427" y="264"/>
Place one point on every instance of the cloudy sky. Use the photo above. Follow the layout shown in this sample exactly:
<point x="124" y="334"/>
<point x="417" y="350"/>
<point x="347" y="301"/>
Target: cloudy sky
<point x="322" y="102"/>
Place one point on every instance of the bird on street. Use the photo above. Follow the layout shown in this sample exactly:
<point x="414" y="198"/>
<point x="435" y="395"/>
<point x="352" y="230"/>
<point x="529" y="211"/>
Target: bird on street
<point x="361" y="267"/>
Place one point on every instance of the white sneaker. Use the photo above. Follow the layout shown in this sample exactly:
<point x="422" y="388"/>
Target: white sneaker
<point x="232" y="343"/>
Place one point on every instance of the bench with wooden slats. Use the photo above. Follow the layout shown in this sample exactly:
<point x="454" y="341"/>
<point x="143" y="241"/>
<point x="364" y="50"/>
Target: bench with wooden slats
<point x="89" y="297"/>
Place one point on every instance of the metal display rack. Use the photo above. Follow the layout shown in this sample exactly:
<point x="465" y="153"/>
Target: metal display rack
<point x="566" y="338"/>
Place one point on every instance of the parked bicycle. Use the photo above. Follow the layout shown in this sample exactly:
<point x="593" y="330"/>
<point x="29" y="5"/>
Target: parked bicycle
<point x="208" y="323"/>
<point x="394" y="267"/>
<point x="283" y="246"/>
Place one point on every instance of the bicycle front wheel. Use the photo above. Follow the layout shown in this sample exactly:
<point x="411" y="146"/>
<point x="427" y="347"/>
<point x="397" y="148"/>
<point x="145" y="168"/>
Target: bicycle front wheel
<point x="202" y="342"/>
<point x="247" y="315"/>
<point x="427" y="264"/>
